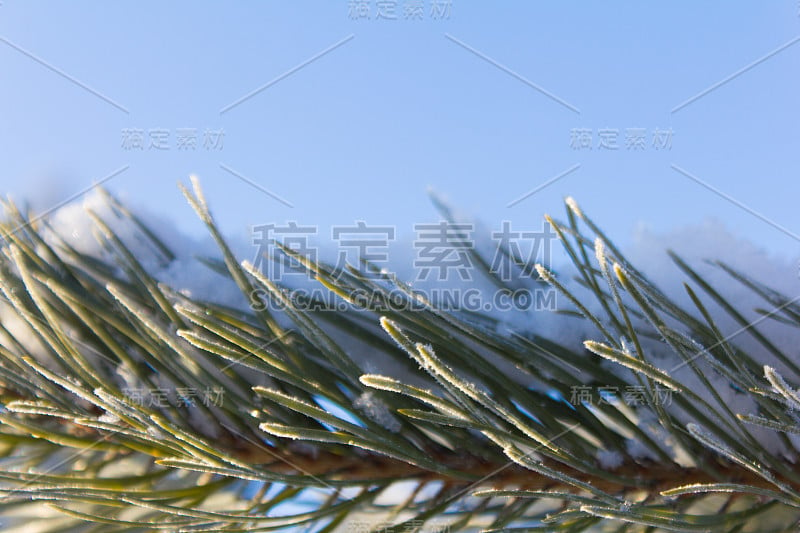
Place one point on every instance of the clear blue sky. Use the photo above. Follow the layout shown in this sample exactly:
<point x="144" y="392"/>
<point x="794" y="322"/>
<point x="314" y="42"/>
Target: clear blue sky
<point x="400" y="105"/>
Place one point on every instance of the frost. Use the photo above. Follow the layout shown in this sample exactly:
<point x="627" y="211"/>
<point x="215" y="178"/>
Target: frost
<point x="628" y="347"/>
<point x="639" y="450"/>
<point x="127" y="380"/>
<point x="649" y="423"/>
<point x="609" y="459"/>
<point x="377" y="411"/>
<point x="109" y="418"/>
<point x="155" y="433"/>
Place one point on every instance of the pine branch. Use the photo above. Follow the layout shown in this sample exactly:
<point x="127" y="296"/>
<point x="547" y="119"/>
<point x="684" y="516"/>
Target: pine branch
<point x="101" y="364"/>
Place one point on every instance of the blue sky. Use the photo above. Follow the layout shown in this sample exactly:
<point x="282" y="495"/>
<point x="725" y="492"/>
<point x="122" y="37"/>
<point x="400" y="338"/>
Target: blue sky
<point x="480" y="103"/>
